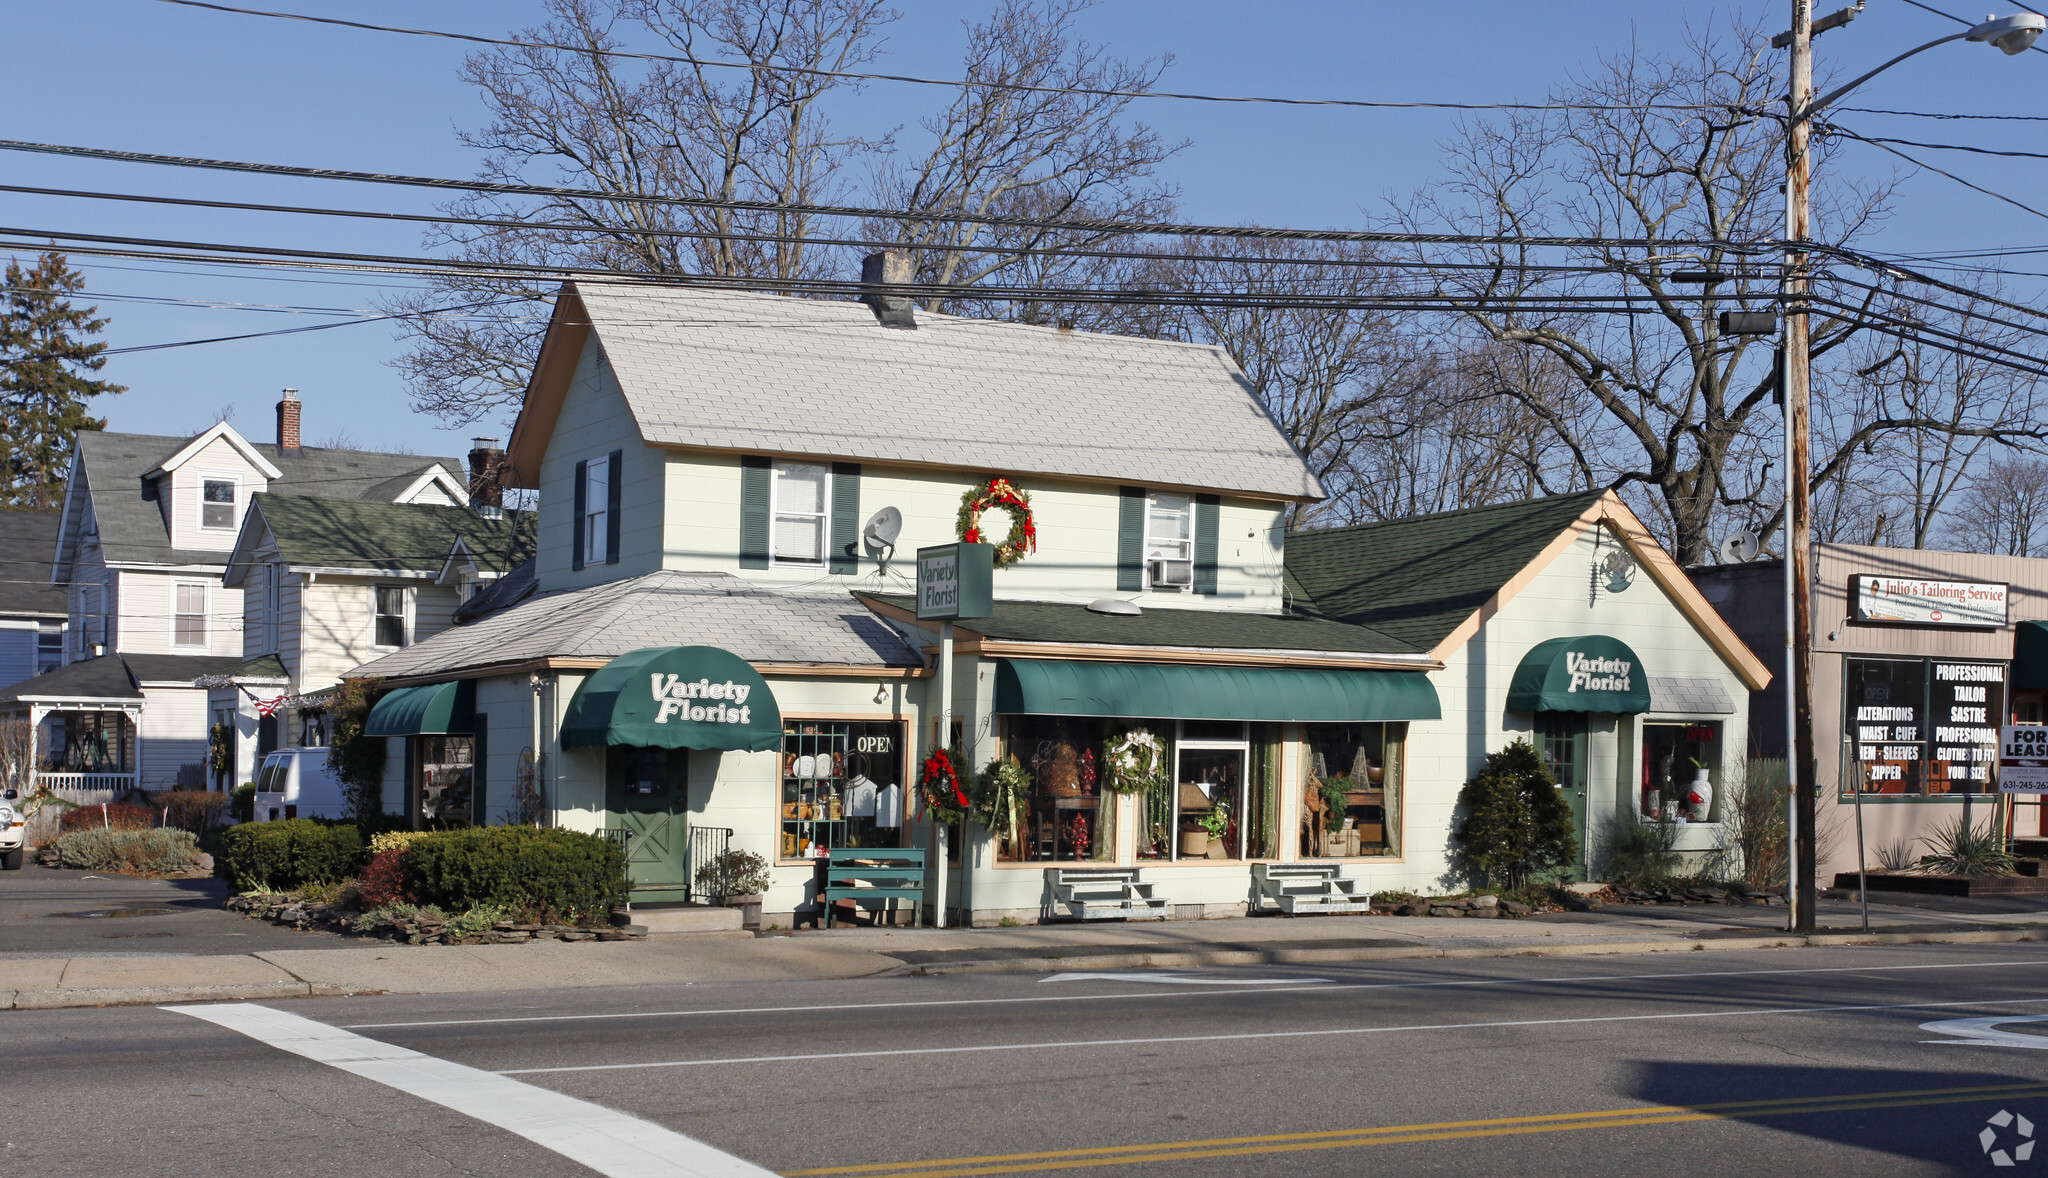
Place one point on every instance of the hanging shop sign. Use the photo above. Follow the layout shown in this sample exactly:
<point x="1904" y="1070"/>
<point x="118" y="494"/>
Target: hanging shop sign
<point x="955" y="581"/>
<point x="1909" y="601"/>
<point x="1593" y="673"/>
<point x="2023" y="759"/>
<point x="1924" y="726"/>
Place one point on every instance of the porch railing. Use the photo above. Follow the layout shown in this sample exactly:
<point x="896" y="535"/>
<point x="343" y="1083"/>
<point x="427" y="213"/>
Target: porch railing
<point x="86" y="788"/>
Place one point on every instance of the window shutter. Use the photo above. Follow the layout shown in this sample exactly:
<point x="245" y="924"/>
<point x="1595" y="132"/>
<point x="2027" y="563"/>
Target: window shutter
<point x="754" y="476"/>
<point x="615" y="480"/>
<point x="576" y="524"/>
<point x="1205" y="543"/>
<point x="1130" y="540"/>
<point x="845" y="558"/>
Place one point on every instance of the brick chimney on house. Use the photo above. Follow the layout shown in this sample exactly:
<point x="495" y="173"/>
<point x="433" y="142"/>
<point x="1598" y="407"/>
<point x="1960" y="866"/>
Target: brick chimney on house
<point x="486" y="477"/>
<point x="288" y="424"/>
<point x="889" y="268"/>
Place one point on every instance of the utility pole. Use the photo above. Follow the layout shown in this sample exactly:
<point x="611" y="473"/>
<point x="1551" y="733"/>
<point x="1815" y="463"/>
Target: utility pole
<point x="1800" y="765"/>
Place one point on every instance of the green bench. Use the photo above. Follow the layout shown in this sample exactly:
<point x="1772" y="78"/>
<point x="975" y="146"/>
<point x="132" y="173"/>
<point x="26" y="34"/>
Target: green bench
<point x="867" y="875"/>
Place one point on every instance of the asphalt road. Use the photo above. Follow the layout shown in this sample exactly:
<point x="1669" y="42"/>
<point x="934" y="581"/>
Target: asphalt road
<point x="1809" y="1062"/>
<point x="54" y="912"/>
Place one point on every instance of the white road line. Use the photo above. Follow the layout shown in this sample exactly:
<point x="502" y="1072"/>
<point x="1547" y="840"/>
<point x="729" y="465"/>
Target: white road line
<point x="1984" y="1032"/>
<point x="1180" y="979"/>
<point x="808" y="1008"/>
<point x="606" y="1140"/>
<point x="1245" y="1036"/>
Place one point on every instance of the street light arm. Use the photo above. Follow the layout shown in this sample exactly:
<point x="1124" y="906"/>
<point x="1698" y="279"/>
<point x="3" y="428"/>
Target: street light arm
<point x="1815" y="106"/>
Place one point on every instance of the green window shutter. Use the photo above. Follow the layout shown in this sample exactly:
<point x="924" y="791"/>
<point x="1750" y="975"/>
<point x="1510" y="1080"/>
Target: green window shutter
<point x="1205" y="543"/>
<point x="1130" y="540"/>
<point x="576" y="523"/>
<point x="754" y="476"/>
<point x="614" y="486"/>
<point x="845" y="558"/>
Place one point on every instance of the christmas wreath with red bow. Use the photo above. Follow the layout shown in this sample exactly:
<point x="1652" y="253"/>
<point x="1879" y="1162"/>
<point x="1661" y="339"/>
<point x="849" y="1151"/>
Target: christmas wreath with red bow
<point x="938" y="786"/>
<point x="999" y="492"/>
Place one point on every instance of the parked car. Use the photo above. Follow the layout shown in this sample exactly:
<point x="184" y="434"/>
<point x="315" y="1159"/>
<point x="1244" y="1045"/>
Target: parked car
<point x="296" y="783"/>
<point x="13" y="827"/>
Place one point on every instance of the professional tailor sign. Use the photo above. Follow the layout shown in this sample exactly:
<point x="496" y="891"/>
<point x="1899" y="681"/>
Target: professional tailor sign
<point x="955" y="581"/>
<point x="1910" y="601"/>
<point x="2023" y="759"/>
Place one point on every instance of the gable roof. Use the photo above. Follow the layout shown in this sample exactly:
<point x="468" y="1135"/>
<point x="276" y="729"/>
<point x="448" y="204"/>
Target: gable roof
<point x="1432" y="580"/>
<point x="588" y="627"/>
<point x="756" y="373"/>
<point x="509" y="590"/>
<point x="109" y="473"/>
<point x="117" y="677"/>
<point x="313" y="532"/>
<point x="220" y="430"/>
<point x="25" y="588"/>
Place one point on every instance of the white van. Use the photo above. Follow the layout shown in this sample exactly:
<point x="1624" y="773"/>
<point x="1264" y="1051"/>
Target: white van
<point x="296" y="783"/>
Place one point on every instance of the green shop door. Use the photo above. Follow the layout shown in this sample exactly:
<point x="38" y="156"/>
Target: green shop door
<point x="1562" y="738"/>
<point x="647" y="802"/>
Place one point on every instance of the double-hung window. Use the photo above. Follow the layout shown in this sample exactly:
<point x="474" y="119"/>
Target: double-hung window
<point x="217" y="503"/>
<point x="188" y="618"/>
<point x="597" y="483"/>
<point x="393" y="628"/>
<point x="1169" y="542"/>
<point x="802" y="491"/>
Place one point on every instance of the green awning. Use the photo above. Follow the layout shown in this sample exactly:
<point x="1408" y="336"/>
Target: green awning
<point x="436" y="707"/>
<point x="1593" y="673"/>
<point x="1167" y="691"/>
<point x="674" y="697"/>
<point x="2030" y="656"/>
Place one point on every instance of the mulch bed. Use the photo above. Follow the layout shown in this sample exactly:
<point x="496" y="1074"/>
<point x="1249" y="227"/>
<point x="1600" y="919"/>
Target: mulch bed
<point x="420" y="930"/>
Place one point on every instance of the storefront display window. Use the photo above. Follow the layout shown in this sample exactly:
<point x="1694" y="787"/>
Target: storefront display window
<point x="842" y="786"/>
<point x="1223" y="800"/>
<point x="443" y="777"/>
<point x="1921" y="727"/>
<point x="1681" y="766"/>
<point x="1069" y="816"/>
<point x="1351" y="795"/>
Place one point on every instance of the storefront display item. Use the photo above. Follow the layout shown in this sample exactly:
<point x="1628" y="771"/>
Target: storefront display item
<point x="1700" y="798"/>
<point x="834" y="776"/>
<point x="1002" y="797"/>
<point x="1061" y="766"/>
<point x="999" y="492"/>
<point x="1137" y="763"/>
<point x="938" y="787"/>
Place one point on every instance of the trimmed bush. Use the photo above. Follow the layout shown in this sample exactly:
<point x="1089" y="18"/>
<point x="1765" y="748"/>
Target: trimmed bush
<point x="133" y="852"/>
<point x="1515" y="823"/>
<point x="279" y="856"/>
<point x="551" y="873"/>
<point x="383" y="879"/>
<point x="108" y="816"/>
<point x="242" y="802"/>
<point x="394" y="840"/>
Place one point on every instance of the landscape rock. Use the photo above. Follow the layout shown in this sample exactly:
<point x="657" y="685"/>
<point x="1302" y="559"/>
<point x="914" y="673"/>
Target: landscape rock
<point x="1575" y="903"/>
<point x="1515" y="908"/>
<point x="1484" y="902"/>
<point x="1413" y="908"/>
<point x="1445" y="910"/>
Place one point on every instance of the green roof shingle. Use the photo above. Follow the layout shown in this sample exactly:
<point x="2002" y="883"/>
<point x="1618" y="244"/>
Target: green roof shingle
<point x="1417" y="579"/>
<point x="395" y="537"/>
<point x="1047" y="621"/>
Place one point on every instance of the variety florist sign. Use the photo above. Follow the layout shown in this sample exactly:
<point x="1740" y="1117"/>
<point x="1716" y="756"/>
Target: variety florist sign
<point x="1908" y="601"/>
<point x="701" y="702"/>
<point x="1597" y="674"/>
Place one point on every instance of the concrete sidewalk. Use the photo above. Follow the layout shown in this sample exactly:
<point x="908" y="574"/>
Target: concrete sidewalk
<point x="42" y="982"/>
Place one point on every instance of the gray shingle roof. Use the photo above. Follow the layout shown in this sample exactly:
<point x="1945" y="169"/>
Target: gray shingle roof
<point x="665" y="608"/>
<point x="318" y="532"/>
<point x="29" y="537"/>
<point x="132" y="528"/>
<point x="1690" y="695"/>
<point x="771" y="374"/>
<point x="116" y="676"/>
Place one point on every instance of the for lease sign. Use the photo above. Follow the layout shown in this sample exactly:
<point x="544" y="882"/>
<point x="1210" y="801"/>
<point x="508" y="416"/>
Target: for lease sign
<point x="1914" y="602"/>
<point x="2023" y="759"/>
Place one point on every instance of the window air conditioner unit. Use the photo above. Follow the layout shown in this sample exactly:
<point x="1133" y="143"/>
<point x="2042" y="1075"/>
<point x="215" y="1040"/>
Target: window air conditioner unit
<point x="1173" y="574"/>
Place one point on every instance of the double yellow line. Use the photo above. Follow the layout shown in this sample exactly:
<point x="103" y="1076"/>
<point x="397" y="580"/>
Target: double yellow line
<point x="1227" y="1147"/>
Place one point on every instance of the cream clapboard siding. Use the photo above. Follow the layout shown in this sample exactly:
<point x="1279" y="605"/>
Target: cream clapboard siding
<point x="218" y="459"/>
<point x="593" y="423"/>
<point x="147" y="605"/>
<point x="336" y="624"/>
<point x="173" y="734"/>
<point x="291" y="629"/>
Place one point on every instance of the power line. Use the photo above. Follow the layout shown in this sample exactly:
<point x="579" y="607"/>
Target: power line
<point x="1963" y="20"/>
<point x="2025" y="208"/>
<point x="950" y="83"/>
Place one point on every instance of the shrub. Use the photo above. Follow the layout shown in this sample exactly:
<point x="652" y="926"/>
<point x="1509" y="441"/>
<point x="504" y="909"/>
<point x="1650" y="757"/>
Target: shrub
<point x="394" y="840"/>
<point x="1639" y="852"/>
<point x="135" y="852"/>
<point x="383" y="879"/>
<point x="356" y="759"/>
<point x="734" y="873"/>
<point x="554" y="873"/>
<point x="196" y="810"/>
<point x="242" y="802"/>
<point x="1960" y="849"/>
<point x="284" y="855"/>
<point x="108" y="816"/>
<point x="1515" y="823"/>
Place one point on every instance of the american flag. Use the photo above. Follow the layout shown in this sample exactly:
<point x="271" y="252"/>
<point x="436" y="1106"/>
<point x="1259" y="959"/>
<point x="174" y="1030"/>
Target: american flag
<point x="266" y="707"/>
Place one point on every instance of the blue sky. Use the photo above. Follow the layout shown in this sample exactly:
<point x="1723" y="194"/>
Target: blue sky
<point x="150" y="76"/>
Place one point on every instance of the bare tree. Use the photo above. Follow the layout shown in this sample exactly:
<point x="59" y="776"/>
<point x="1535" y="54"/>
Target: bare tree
<point x="2004" y="510"/>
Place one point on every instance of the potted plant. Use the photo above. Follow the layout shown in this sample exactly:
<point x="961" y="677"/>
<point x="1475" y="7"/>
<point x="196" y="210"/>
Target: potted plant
<point x="1216" y="826"/>
<point x="737" y="879"/>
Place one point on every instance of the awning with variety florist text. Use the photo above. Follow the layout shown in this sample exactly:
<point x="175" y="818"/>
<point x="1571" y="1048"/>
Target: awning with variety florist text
<point x="1591" y="673"/>
<point x="1171" y="691"/>
<point x="674" y="697"/>
<point x="427" y="710"/>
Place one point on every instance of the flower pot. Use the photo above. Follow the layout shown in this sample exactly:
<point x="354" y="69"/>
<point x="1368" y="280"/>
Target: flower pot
<point x="750" y="910"/>
<point x="1194" y="843"/>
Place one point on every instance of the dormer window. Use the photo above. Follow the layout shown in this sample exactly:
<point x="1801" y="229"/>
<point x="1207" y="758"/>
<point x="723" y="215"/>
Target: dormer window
<point x="217" y="503"/>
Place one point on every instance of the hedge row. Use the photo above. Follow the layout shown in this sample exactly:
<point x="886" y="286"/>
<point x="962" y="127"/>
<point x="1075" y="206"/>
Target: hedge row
<point x="145" y="852"/>
<point x="560" y="874"/>
<point x="279" y="856"/>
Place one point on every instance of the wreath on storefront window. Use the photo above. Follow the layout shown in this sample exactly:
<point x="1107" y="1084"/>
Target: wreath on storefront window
<point x="998" y="492"/>
<point x="1135" y="763"/>
<point x="938" y="785"/>
<point x="1002" y="796"/>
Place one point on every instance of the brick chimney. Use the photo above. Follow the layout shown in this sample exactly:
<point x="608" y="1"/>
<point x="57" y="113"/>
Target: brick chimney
<point x="288" y="424"/>
<point x="486" y="475"/>
<point x="890" y="268"/>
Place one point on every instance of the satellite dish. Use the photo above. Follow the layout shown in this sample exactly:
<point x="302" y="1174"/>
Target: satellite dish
<point x="1115" y="607"/>
<point x="1739" y="548"/>
<point x="883" y="527"/>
